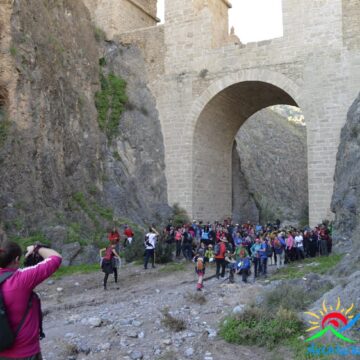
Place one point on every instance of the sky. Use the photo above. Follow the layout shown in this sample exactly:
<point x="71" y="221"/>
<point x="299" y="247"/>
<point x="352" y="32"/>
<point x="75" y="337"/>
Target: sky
<point x="253" y="20"/>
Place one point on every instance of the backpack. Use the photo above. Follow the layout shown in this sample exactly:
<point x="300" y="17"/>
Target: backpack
<point x="200" y="264"/>
<point x="217" y="249"/>
<point x="269" y="250"/>
<point x="7" y="335"/>
<point x="277" y="243"/>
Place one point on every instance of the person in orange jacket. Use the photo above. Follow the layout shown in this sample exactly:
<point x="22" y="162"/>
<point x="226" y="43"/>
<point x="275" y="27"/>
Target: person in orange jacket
<point x="219" y="251"/>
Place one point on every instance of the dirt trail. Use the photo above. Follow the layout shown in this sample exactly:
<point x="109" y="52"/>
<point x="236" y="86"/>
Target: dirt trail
<point x="85" y="322"/>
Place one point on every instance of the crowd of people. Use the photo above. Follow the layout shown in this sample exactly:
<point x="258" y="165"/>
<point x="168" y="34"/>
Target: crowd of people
<point x="246" y="248"/>
<point x="242" y="249"/>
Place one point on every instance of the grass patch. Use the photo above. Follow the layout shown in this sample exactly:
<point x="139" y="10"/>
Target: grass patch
<point x="173" y="267"/>
<point x="256" y="326"/>
<point x="171" y="322"/>
<point x="75" y="269"/>
<point x="110" y="103"/>
<point x="99" y="34"/>
<point x="35" y="238"/>
<point x="318" y="265"/>
<point x="13" y="51"/>
<point x="197" y="298"/>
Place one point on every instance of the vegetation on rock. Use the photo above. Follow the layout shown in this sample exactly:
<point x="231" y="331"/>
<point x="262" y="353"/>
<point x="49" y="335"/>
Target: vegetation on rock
<point x="110" y="102"/>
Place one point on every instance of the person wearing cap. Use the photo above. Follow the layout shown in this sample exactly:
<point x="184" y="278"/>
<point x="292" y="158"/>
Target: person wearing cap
<point x="220" y="257"/>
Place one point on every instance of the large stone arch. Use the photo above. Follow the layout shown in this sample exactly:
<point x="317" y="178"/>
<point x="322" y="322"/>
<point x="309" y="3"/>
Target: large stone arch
<point x="214" y="120"/>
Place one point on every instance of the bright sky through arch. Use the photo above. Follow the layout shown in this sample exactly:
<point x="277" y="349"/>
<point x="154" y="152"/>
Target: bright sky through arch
<point x="253" y="20"/>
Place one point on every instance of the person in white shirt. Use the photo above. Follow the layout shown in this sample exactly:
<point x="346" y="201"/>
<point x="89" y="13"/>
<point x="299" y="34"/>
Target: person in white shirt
<point x="150" y="244"/>
<point x="299" y="244"/>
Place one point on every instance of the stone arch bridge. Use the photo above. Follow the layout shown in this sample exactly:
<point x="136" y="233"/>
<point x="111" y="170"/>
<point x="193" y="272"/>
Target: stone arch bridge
<point x="207" y="83"/>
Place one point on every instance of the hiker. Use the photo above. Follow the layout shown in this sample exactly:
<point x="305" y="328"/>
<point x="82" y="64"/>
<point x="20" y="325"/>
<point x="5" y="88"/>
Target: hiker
<point x="114" y="238"/>
<point x="263" y="255"/>
<point x="313" y="243"/>
<point x="279" y="248"/>
<point x="219" y="252"/>
<point x="299" y="244"/>
<point x="243" y="265"/>
<point x="231" y="264"/>
<point x="129" y="235"/>
<point x="22" y="305"/>
<point x="109" y="263"/>
<point x="256" y="257"/>
<point x="199" y="268"/>
<point x="178" y="241"/>
<point x="187" y="240"/>
<point x="150" y="244"/>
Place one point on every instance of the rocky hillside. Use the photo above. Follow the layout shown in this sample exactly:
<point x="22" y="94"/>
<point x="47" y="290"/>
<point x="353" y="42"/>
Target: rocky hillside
<point x="346" y="197"/>
<point x="80" y="139"/>
<point x="273" y="165"/>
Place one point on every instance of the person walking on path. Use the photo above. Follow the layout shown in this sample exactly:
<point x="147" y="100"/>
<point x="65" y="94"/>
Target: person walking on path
<point x="199" y="268"/>
<point x="150" y="244"/>
<point x="108" y="263"/>
<point x="21" y="303"/>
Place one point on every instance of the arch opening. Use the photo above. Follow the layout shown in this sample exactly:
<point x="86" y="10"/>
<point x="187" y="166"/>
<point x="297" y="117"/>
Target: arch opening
<point x="215" y="131"/>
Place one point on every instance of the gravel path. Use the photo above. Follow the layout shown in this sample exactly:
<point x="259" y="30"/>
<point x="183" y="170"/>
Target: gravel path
<point x="83" y="321"/>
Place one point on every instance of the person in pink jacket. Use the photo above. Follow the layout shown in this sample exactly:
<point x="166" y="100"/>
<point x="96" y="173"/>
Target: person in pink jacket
<point x="16" y="292"/>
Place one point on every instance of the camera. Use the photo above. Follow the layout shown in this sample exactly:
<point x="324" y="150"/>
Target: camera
<point x="34" y="258"/>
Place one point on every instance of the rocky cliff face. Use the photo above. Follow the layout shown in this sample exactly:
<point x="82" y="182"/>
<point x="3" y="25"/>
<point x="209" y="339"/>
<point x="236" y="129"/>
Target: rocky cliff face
<point x="57" y="165"/>
<point x="273" y="159"/>
<point x="346" y="197"/>
<point x="244" y="206"/>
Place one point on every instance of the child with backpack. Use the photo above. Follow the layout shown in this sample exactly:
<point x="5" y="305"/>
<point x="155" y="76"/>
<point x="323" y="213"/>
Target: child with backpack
<point x="199" y="261"/>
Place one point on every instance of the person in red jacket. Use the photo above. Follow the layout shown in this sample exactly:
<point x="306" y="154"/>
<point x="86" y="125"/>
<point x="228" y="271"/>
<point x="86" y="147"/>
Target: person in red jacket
<point x="129" y="234"/>
<point x="114" y="238"/>
<point x="108" y="263"/>
<point x="220" y="257"/>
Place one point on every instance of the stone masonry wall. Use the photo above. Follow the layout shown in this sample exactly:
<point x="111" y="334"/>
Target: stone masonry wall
<point x="351" y="23"/>
<point x="309" y="63"/>
<point x="116" y="17"/>
<point x="151" y="42"/>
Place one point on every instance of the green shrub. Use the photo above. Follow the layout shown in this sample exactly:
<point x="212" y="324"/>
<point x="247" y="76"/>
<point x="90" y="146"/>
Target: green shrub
<point x="256" y="326"/>
<point x="135" y="251"/>
<point x="163" y="252"/>
<point x="180" y="216"/>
